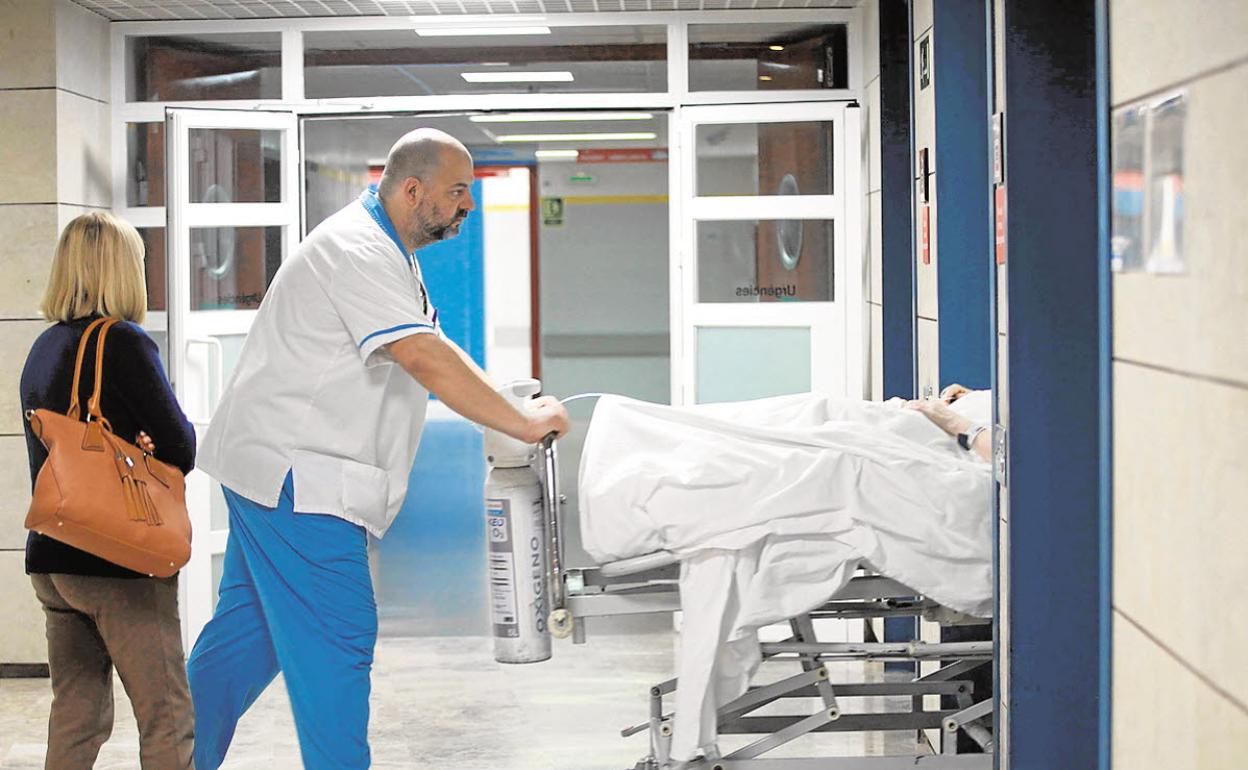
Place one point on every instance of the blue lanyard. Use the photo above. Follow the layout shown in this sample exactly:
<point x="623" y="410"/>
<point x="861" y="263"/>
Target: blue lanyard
<point x="372" y="204"/>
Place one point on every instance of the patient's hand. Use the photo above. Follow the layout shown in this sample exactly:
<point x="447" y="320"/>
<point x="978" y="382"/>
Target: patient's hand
<point x="941" y="415"/>
<point x="953" y="392"/>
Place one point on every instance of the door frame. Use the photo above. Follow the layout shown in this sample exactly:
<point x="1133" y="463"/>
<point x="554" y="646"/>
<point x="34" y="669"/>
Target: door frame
<point x="847" y="310"/>
<point x="195" y="356"/>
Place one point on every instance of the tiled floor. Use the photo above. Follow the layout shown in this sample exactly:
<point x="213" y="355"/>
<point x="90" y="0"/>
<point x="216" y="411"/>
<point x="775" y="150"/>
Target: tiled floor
<point x="444" y="704"/>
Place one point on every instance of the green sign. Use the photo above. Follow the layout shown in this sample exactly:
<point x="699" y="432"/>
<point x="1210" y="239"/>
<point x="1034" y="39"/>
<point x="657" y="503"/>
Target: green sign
<point x="552" y="212"/>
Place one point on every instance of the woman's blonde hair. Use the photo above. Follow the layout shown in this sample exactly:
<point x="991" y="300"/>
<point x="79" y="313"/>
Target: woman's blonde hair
<point x="97" y="269"/>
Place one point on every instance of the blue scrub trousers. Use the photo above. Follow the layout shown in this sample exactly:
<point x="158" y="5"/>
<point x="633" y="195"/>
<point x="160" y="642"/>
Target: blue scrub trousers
<point x="296" y="596"/>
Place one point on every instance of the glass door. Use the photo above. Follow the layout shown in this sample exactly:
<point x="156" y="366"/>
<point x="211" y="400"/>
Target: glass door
<point x="232" y="216"/>
<point x="767" y="280"/>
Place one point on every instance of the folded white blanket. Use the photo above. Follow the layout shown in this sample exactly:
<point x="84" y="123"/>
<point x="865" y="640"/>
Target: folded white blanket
<point x="771" y="505"/>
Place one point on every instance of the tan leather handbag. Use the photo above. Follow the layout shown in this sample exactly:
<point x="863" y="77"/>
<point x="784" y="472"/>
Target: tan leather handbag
<point x="104" y="495"/>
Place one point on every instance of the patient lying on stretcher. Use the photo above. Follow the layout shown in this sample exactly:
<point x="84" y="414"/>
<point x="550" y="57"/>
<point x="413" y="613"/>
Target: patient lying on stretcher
<point x="773" y="505"/>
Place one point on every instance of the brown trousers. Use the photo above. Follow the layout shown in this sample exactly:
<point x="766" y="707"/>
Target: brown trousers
<point x="94" y="624"/>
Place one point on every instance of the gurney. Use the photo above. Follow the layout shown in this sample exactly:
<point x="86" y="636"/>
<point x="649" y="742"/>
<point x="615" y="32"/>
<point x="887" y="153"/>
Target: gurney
<point x="648" y="584"/>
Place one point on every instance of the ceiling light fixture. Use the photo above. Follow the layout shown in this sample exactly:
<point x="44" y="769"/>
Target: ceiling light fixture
<point x="517" y="77"/>
<point x="456" y="31"/>
<point x="776" y="47"/>
<point x="640" y="136"/>
<point x="560" y="117"/>
<point x="765" y="78"/>
<point x="557" y="154"/>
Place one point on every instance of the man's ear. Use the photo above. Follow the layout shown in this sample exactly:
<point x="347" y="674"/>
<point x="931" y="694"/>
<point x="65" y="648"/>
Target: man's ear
<point x="413" y="189"/>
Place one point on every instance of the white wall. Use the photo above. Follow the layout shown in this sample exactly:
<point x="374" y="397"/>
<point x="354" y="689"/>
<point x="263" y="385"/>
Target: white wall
<point x="508" y="325"/>
<point x="604" y="295"/>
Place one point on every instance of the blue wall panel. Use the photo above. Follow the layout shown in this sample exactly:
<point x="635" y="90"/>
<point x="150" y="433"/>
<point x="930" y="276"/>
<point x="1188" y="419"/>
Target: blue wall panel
<point x="1058" y="327"/>
<point x="897" y="232"/>
<point x="962" y="192"/>
<point x="431" y="579"/>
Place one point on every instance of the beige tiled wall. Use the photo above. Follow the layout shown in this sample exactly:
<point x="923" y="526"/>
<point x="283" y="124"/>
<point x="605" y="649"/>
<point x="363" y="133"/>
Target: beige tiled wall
<point x="54" y="164"/>
<point x="1181" y="496"/>
<point x="29" y="37"/>
<point x="1196" y="322"/>
<point x="1166" y="716"/>
<point x="1180" y="696"/>
<point x="14" y="491"/>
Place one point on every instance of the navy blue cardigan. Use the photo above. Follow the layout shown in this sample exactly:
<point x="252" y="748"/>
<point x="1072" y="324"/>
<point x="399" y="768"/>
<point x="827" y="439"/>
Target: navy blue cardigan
<point x="136" y="397"/>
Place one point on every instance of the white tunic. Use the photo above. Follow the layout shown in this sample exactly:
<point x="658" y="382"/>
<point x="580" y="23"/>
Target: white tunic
<point x="315" y="391"/>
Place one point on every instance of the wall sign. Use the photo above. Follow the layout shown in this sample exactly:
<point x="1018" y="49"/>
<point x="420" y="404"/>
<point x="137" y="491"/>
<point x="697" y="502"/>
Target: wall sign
<point x="925" y="234"/>
<point x="999" y="223"/>
<point x="1147" y="203"/>
<point x="924" y="189"/>
<point x="1167" y="124"/>
<point x="998" y="148"/>
<point x="624" y="155"/>
<point x="925" y="62"/>
<point x="553" y="212"/>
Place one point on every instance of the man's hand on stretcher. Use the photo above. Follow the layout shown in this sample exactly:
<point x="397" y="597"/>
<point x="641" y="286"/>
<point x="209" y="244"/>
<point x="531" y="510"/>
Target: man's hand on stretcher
<point x="450" y="374"/>
<point x="938" y="411"/>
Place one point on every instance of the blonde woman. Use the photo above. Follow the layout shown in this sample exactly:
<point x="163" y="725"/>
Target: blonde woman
<point x="101" y="615"/>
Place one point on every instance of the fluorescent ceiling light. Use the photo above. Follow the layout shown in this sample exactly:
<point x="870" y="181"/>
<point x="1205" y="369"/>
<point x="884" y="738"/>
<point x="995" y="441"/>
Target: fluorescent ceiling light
<point x="557" y="154"/>
<point x="552" y="117"/>
<point x="457" y="31"/>
<point x="641" y="136"/>
<point x="517" y="77"/>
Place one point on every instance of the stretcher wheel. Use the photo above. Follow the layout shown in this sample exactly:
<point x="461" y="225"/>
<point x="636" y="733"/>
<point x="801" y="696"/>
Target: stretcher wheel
<point x="560" y="623"/>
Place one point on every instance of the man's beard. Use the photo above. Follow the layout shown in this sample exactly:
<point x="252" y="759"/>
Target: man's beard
<point x="435" y="232"/>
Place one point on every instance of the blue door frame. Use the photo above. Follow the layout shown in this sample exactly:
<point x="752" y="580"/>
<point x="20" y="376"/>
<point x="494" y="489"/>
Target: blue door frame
<point x="1054" y="60"/>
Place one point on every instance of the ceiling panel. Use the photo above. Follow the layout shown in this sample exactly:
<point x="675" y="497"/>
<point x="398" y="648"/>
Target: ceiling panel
<point x="149" y="10"/>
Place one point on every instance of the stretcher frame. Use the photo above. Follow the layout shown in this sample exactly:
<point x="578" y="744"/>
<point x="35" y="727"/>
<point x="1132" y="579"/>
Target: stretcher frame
<point x="648" y="584"/>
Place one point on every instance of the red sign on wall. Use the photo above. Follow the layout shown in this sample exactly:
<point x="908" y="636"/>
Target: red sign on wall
<point x="624" y="155"/>
<point x="925" y="235"/>
<point x="999" y="226"/>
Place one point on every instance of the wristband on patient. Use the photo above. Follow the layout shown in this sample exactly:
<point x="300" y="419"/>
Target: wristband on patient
<point x="967" y="440"/>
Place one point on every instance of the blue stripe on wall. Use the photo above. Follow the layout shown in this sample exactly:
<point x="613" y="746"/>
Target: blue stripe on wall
<point x="897" y="244"/>
<point x="1056" y="390"/>
<point x="963" y="189"/>
<point x="897" y="232"/>
<point x="432" y="561"/>
<point x="454" y="272"/>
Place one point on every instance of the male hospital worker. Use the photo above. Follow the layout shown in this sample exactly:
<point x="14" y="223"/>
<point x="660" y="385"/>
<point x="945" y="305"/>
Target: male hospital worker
<point x="313" y="441"/>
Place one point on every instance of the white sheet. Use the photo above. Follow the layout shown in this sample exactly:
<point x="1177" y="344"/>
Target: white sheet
<point x="771" y="505"/>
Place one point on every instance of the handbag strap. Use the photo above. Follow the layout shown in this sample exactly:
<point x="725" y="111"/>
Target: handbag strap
<point x="74" y="409"/>
<point x="93" y="406"/>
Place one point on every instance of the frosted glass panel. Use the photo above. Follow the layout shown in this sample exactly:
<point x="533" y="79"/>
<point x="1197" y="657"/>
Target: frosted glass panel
<point x="737" y="363"/>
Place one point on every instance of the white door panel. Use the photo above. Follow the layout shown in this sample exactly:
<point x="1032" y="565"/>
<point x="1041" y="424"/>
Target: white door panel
<point x="232" y="216"/>
<point x="767" y="252"/>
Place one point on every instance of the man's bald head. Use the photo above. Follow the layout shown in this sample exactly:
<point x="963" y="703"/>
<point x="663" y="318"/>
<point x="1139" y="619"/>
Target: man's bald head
<point x="417" y="154"/>
<point x="426" y="187"/>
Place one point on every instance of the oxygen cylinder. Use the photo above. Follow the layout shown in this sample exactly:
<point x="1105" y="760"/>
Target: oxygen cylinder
<point x="516" y="554"/>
